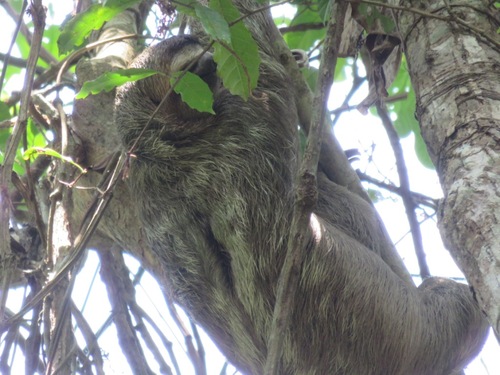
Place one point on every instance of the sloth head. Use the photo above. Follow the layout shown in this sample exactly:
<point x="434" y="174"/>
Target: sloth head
<point x="171" y="56"/>
<point x="136" y="101"/>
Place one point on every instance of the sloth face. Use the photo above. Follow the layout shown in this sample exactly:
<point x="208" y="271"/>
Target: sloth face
<point x="171" y="56"/>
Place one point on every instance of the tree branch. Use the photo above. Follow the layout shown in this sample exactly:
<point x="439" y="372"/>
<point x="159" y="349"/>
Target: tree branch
<point x="7" y="56"/>
<point x="90" y="338"/>
<point x="404" y="183"/>
<point x="30" y="38"/>
<point x="417" y="197"/>
<point x="6" y="258"/>
<point x="114" y="274"/>
<point x="301" y="27"/>
<point x="306" y="195"/>
<point x="424" y="13"/>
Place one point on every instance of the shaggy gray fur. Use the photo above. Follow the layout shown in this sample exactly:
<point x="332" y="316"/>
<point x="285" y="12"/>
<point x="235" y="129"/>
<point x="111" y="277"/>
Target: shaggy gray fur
<point x="216" y="197"/>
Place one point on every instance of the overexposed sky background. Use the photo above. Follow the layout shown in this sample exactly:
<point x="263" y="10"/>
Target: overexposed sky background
<point x="353" y="131"/>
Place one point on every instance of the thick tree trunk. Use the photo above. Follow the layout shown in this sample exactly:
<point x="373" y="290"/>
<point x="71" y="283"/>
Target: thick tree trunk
<point x="454" y="68"/>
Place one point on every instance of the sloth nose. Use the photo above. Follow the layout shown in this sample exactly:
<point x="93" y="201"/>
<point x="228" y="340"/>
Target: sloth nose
<point x="205" y="66"/>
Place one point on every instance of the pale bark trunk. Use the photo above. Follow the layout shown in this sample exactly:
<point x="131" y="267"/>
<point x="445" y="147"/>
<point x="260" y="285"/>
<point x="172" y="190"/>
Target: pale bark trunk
<point x="454" y="71"/>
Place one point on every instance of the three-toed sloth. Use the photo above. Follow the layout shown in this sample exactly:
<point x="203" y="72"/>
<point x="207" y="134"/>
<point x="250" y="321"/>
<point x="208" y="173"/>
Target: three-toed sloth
<point x="215" y="195"/>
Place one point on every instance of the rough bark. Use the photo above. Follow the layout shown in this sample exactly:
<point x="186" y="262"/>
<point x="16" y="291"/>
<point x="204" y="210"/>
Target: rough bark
<point x="94" y="128"/>
<point x="454" y="71"/>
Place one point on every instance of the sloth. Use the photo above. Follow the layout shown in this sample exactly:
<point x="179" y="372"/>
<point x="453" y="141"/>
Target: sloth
<point x="215" y="195"/>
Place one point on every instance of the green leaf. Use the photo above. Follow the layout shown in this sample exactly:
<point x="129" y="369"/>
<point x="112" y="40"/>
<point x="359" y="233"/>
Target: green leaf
<point x="238" y="63"/>
<point x="325" y="9"/>
<point x="194" y="91"/>
<point x="77" y="30"/>
<point x="311" y="75"/>
<point x="282" y="21"/>
<point x="17" y="5"/>
<point x="406" y="122"/>
<point x="375" y="195"/>
<point x="33" y="152"/>
<point x="340" y="68"/>
<point x="305" y="40"/>
<point x="4" y="111"/>
<point x="421" y="151"/>
<point x="372" y="15"/>
<point x="214" y="23"/>
<point x="186" y="7"/>
<point x="50" y="36"/>
<point x="404" y="109"/>
<point x="17" y="167"/>
<point x="23" y="45"/>
<point x="34" y="137"/>
<point x="109" y="80"/>
<point x="4" y="135"/>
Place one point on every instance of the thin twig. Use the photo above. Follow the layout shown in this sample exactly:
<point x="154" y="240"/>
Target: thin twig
<point x="62" y="66"/>
<point x="7" y="57"/>
<point x="400" y="7"/>
<point x="115" y="276"/>
<point x="188" y="338"/>
<point x="404" y="184"/>
<point x="112" y="175"/>
<point x="418" y="198"/>
<point x="90" y="338"/>
<point x="302" y="27"/>
<point x="356" y="84"/>
<point x="166" y="342"/>
<point x="423" y="13"/>
<point x="6" y="259"/>
<point x="202" y="367"/>
<point x="18" y="62"/>
<point x="34" y="340"/>
<point x="31" y="39"/>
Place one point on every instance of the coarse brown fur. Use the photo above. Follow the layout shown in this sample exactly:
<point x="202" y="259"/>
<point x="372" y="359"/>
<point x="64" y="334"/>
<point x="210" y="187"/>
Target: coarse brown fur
<point x="215" y="195"/>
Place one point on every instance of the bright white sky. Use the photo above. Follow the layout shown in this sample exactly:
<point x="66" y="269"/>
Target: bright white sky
<point x="354" y="131"/>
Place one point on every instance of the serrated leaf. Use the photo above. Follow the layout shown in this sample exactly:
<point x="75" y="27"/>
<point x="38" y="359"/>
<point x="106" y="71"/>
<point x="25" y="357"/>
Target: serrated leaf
<point x="77" y="30"/>
<point x="109" y="80"/>
<point x="194" y="91"/>
<point x="33" y="152"/>
<point x="214" y="23"/>
<point x="238" y="63"/>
